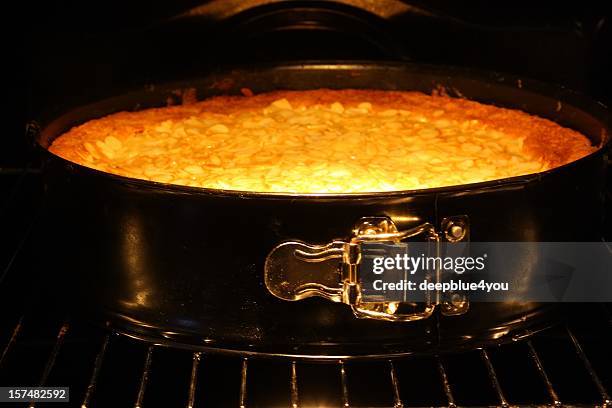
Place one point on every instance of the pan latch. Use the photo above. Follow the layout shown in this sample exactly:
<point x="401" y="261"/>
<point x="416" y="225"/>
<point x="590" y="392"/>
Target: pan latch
<point x="295" y="270"/>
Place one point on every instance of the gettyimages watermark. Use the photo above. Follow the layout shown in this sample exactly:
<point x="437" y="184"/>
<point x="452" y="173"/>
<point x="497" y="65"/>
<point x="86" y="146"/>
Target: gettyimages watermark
<point x="488" y="271"/>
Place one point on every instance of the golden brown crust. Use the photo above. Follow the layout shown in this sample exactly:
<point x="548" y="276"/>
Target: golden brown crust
<point x="543" y="139"/>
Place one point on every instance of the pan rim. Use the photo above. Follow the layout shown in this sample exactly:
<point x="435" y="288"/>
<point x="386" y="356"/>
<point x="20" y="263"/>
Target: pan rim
<point x="485" y="77"/>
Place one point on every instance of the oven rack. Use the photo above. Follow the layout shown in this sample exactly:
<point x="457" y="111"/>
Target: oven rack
<point x="103" y="368"/>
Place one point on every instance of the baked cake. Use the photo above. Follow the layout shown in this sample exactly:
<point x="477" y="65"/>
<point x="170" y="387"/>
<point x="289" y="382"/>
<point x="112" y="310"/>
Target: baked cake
<point x="322" y="141"/>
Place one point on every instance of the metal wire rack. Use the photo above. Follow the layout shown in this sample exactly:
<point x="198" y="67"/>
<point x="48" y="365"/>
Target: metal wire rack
<point x="108" y="369"/>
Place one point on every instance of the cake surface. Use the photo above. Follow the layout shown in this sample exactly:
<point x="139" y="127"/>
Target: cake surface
<point x="322" y="141"/>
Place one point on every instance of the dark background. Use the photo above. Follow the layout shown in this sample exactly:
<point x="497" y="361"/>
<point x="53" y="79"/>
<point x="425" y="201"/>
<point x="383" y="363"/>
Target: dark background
<point x="57" y="54"/>
<point x="64" y="53"/>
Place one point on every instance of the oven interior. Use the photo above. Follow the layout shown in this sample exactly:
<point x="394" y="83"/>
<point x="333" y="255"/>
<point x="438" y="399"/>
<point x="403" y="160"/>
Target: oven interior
<point x="79" y="53"/>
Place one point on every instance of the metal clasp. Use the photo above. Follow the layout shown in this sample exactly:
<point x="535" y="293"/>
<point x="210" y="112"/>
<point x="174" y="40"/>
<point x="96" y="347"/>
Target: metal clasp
<point x="295" y="270"/>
